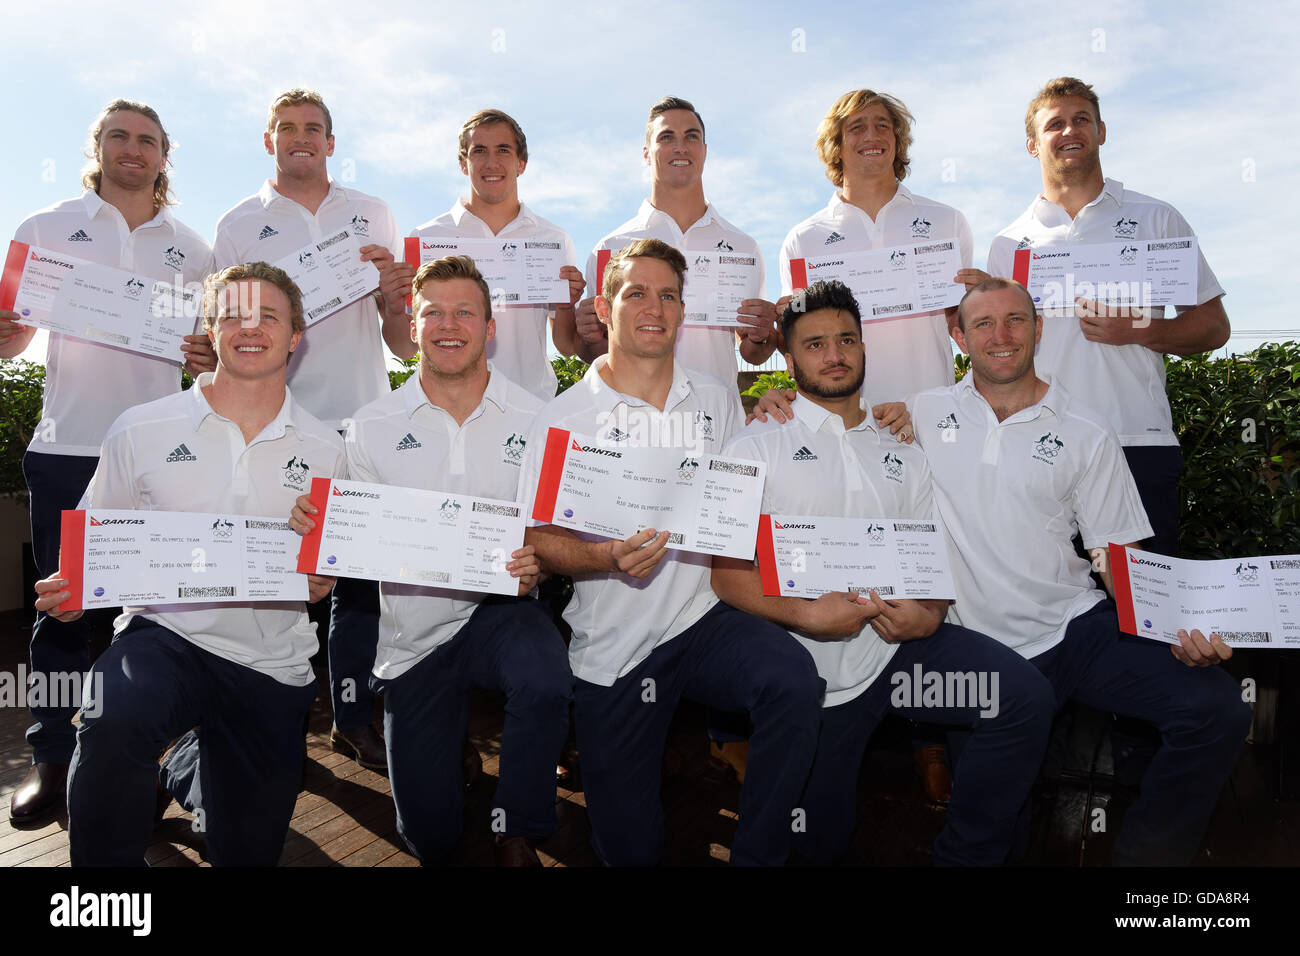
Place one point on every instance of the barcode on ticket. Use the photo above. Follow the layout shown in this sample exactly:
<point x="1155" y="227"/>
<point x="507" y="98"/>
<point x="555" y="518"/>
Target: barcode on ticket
<point x="914" y="526"/>
<point x="884" y="590"/>
<point x="676" y="538"/>
<point x="329" y="306"/>
<point x="732" y="468"/>
<point x="210" y="592"/>
<point x="491" y="509"/>
<point x="322" y="246"/>
<point x="1284" y="564"/>
<point x="417" y="574"/>
<point x="1247" y="637"/>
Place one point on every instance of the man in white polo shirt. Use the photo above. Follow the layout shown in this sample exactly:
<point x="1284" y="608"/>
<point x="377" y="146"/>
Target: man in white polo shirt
<point x="240" y="673"/>
<point x="121" y="220"/>
<point x="647" y="628"/>
<point x="1111" y="358"/>
<point x="677" y="213"/>
<point x="340" y="365"/>
<point x="832" y="460"/>
<point x="1020" y="466"/>
<point x="493" y="155"/>
<point x="864" y="142"/>
<point x="458" y="425"/>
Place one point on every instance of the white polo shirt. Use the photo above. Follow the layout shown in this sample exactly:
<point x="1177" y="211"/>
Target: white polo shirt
<point x="907" y="355"/>
<point x="1012" y="496"/>
<point x="87" y="385"/>
<point x="712" y="351"/>
<point x="816" y="467"/>
<point x="404" y="439"/>
<point x="140" y="469"/>
<point x="339" y="365"/>
<point x="1124" y="383"/>
<point x="519" y="347"/>
<point x="618" y="620"/>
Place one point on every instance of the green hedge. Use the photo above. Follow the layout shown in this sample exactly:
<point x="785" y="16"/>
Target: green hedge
<point x="1238" y="420"/>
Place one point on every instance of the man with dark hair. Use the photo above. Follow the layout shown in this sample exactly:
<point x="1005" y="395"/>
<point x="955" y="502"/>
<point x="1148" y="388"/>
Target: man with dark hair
<point x="677" y="213"/>
<point x="239" y="673"/>
<point x="493" y="154"/>
<point x="1112" y="358"/>
<point x="122" y="220"/>
<point x="340" y="365"/>
<point x="457" y="425"/>
<point x="833" y="461"/>
<point x="647" y="629"/>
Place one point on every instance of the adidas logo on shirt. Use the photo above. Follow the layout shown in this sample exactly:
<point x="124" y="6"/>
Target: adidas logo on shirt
<point x="408" y="443"/>
<point x="804" y="454"/>
<point x="833" y="237"/>
<point x="80" y="236"/>
<point x="266" y="233"/>
<point x="949" y="422"/>
<point x="181" y="453"/>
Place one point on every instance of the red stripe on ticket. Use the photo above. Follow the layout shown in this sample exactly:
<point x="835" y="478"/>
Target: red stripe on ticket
<point x="1123" y="592"/>
<point x="798" y="274"/>
<point x="15" y="263"/>
<point x="72" y="557"/>
<point x="602" y="260"/>
<point x="309" y="552"/>
<point x="548" y="485"/>
<point x="767" y="557"/>
<point x="1020" y="266"/>
<point x="412" y="250"/>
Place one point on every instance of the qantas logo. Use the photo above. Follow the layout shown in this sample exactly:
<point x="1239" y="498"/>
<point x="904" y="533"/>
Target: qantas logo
<point x="595" y="451"/>
<point x="1132" y="559"/>
<point x="53" y="262"/>
<point x="95" y="522"/>
<point x="782" y="527"/>
<point x="354" y="494"/>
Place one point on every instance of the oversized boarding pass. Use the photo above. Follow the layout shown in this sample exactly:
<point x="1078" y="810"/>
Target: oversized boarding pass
<point x="1249" y="602"/>
<point x="112" y="558"/>
<point x="893" y="282"/>
<point x="330" y="274"/>
<point x="412" y="536"/>
<point x="517" y="271"/>
<point x="1133" y="272"/>
<point x="717" y="280"/>
<point x="811" y="555"/>
<point x="706" y="503"/>
<point x="127" y="310"/>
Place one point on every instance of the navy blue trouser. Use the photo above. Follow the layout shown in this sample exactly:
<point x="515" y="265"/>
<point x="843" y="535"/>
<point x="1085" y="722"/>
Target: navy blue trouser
<point x="1198" y="710"/>
<point x="55" y="483"/>
<point x="1156" y="469"/>
<point x="350" y="646"/>
<point x="243" y="768"/>
<point x="996" y="769"/>
<point x="509" y="645"/>
<point x="729" y="660"/>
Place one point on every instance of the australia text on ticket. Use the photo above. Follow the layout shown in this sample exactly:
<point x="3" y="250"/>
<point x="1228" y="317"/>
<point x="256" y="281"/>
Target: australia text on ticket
<point x="811" y="555"/>
<point x="707" y="503"/>
<point x="98" y="303"/>
<point x="517" y="271"/>
<point x="1138" y="273"/>
<point x="113" y="558"/>
<point x="893" y="282"/>
<point x="1249" y="602"/>
<point x="413" y="536"/>
<point x="330" y="274"/>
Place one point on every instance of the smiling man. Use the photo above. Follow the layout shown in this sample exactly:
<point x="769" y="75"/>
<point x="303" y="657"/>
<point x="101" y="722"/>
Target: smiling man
<point x="493" y="154"/>
<point x="121" y="220"/>
<point x="1020" y="467"/>
<point x="340" y="364"/>
<point x="1113" y="358"/>
<point x="864" y="142"/>
<point x="239" y="673"/>
<point x="647" y="628"/>
<point x="457" y="425"/>
<point x="677" y="213"/>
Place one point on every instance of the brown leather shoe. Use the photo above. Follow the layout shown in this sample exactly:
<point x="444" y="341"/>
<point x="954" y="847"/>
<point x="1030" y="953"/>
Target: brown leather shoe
<point x="516" y="851"/>
<point x="43" y="790"/>
<point x="363" y="744"/>
<point x="932" y="764"/>
<point x="471" y="764"/>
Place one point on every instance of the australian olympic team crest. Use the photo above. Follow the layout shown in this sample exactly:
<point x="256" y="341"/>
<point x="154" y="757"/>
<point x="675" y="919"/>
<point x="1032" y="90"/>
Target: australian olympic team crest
<point x="892" y="466"/>
<point x="1126" y="228"/>
<point x="360" y="225"/>
<point x="701" y="265"/>
<point x="223" y="528"/>
<point x="876" y="533"/>
<point x="704" y="424"/>
<point x="687" y="469"/>
<point x="295" y="472"/>
<point x="449" y="510"/>
<point x="1047" y="448"/>
<point x="1247" y="572"/>
<point x="513" y="448"/>
<point x="921" y="228"/>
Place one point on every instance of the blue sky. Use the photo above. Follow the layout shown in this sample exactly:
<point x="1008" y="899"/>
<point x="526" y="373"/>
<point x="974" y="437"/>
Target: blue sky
<point x="1199" y="105"/>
